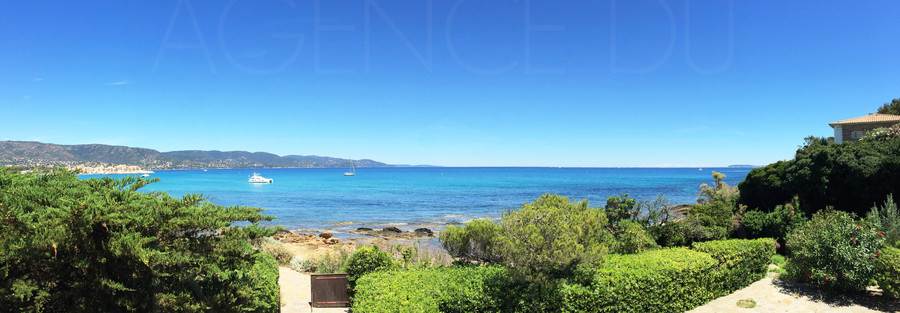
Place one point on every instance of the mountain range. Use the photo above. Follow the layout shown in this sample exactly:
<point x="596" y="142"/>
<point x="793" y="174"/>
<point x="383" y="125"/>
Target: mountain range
<point x="37" y="154"/>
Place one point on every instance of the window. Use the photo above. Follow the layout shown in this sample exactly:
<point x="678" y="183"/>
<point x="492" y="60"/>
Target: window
<point x="856" y="134"/>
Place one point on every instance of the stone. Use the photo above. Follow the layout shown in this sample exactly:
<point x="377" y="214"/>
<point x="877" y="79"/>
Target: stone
<point x="424" y="232"/>
<point x="392" y="229"/>
<point x="326" y="235"/>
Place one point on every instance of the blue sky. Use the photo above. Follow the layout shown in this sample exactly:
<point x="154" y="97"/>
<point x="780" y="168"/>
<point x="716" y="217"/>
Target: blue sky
<point x="455" y="83"/>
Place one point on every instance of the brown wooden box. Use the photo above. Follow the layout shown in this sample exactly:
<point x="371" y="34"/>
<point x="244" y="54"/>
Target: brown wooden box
<point x="329" y="291"/>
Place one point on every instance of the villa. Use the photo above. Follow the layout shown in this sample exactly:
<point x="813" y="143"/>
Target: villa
<point x="855" y="128"/>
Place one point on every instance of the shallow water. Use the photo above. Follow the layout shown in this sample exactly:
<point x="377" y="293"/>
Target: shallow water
<point x="322" y="198"/>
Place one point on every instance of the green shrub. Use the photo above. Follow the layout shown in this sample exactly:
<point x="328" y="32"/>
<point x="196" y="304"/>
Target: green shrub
<point x="100" y="245"/>
<point x="888" y="271"/>
<point x="366" y="260"/>
<point x="887" y="220"/>
<point x="741" y="262"/>
<point x="684" y="232"/>
<point x="442" y="289"/>
<point x="833" y="250"/>
<point x="667" y="280"/>
<point x="546" y="239"/>
<point x="776" y="224"/>
<point x="476" y="242"/>
<point x="630" y="238"/>
<point x="756" y="224"/>
<point x="850" y="176"/>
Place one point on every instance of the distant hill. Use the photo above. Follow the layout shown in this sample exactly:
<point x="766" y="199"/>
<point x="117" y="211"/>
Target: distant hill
<point x="31" y="153"/>
<point x="321" y="161"/>
<point x="744" y="166"/>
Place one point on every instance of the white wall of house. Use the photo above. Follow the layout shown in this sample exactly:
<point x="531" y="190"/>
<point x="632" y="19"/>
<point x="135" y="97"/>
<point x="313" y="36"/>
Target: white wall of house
<point x="838" y="134"/>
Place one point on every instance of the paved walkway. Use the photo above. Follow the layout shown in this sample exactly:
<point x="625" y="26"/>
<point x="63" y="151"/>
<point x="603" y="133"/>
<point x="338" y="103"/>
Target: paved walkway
<point x="774" y="295"/>
<point x="296" y="294"/>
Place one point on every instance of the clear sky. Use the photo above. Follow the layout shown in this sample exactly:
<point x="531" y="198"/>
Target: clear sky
<point x="449" y="82"/>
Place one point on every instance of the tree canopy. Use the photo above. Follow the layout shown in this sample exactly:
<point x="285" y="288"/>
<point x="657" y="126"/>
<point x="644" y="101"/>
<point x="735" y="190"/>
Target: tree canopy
<point x="99" y="245"/>
<point x="892" y="107"/>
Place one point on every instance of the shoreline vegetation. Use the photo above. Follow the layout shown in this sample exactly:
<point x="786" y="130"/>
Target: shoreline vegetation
<point x="74" y="244"/>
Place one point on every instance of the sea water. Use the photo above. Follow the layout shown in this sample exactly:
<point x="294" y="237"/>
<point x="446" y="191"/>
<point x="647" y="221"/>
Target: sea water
<point x="433" y="197"/>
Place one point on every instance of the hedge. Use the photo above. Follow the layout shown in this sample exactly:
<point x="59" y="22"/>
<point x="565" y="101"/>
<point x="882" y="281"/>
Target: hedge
<point x="741" y="262"/>
<point x="888" y="271"/>
<point x="444" y="289"/>
<point x="667" y="280"/>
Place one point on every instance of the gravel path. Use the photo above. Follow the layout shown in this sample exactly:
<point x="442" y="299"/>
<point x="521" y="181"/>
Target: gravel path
<point x="774" y="295"/>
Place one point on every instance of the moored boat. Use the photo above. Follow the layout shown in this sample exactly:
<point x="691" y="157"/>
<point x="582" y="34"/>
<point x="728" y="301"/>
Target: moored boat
<point x="258" y="179"/>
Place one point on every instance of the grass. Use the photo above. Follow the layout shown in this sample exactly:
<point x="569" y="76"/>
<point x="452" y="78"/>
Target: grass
<point x="779" y="261"/>
<point x="746" y="303"/>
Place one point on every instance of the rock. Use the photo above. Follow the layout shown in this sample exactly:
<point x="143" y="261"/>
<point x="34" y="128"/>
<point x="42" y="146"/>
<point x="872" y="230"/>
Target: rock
<point x="326" y="235"/>
<point x="392" y="229"/>
<point x="292" y="237"/>
<point x="363" y="229"/>
<point x="332" y="241"/>
<point x="424" y="232"/>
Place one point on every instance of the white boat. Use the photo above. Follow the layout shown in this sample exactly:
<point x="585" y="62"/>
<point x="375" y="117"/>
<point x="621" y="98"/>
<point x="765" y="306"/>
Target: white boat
<point x="352" y="171"/>
<point x="257" y="179"/>
<point x="145" y="175"/>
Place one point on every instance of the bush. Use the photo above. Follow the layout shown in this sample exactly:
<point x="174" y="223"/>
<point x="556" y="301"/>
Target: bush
<point x="667" y="280"/>
<point x="888" y="271"/>
<point x="442" y="289"/>
<point x="741" y="262"/>
<point x="100" y="245"/>
<point x="850" y="176"/>
<point x="546" y="239"/>
<point x="887" y="220"/>
<point x="276" y="249"/>
<point x="631" y="238"/>
<point x="833" y="250"/>
<point x="367" y="260"/>
<point x="684" y="232"/>
<point x="776" y="224"/>
<point x="476" y="242"/>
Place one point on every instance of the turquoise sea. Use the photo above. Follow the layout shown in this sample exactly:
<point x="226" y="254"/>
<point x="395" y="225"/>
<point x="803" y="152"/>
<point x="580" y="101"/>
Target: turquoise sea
<point x="433" y="197"/>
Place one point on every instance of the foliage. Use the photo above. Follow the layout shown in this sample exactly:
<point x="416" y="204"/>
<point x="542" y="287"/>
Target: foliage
<point x="667" y="280"/>
<point x="834" y="250"/>
<point x="888" y="271"/>
<point x="367" y="260"/>
<point x="546" y="239"/>
<point x="683" y="233"/>
<point x="718" y="192"/>
<point x="887" y="220"/>
<point x="300" y="264"/>
<point x="621" y="208"/>
<point x="711" y="219"/>
<point x="441" y="289"/>
<point x="631" y="238"/>
<point x="851" y="176"/>
<point x="476" y="242"/>
<point x="892" y="107"/>
<point x="741" y="262"/>
<point x="100" y="245"/>
<point x="776" y="224"/>
<point x="275" y="248"/>
<point x="882" y="133"/>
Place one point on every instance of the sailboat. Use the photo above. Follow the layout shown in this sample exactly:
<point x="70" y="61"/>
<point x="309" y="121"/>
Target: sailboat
<point x="352" y="171"/>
